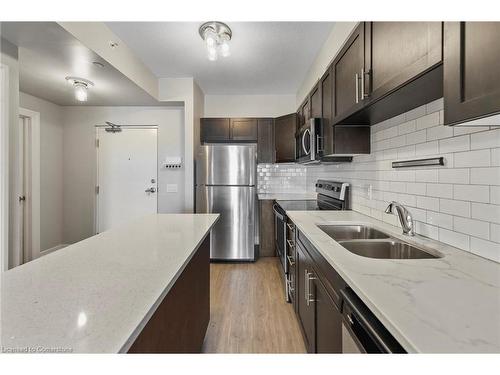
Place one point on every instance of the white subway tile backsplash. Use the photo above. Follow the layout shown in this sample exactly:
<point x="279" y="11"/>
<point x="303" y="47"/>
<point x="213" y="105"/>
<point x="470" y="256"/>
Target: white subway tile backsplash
<point x="426" y="175"/>
<point x="473" y="193"/>
<point x="495" y="194"/>
<point x="440" y="190"/>
<point x="455" y="144"/>
<point x="479" y="158"/>
<point x="488" y="139"/>
<point x="427" y="121"/>
<point x="454" y="176"/>
<point x="486" y="249"/>
<point x="453" y="207"/>
<point x="473" y="227"/>
<point x="487" y="212"/>
<point x="439" y="219"/>
<point x="407" y="127"/>
<point x="454" y="238"/>
<point x="495" y="232"/>
<point x="428" y="203"/>
<point x="495" y="156"/>
<point x="427" y="148"/>
<point x="457" y="203"/>
<point x="485" y="176"/>
<point x="439" y="132"/>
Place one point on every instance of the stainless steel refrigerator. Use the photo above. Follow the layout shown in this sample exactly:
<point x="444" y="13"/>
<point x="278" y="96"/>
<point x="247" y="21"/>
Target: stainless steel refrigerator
<point x="225" y="184"/>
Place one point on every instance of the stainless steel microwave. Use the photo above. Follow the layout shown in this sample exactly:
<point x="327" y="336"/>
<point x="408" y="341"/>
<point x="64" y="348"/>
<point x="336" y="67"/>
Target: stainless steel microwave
<point x="309" y="142"/>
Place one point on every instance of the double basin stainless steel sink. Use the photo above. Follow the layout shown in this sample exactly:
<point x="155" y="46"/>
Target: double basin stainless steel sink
<point x="369" y="242"/>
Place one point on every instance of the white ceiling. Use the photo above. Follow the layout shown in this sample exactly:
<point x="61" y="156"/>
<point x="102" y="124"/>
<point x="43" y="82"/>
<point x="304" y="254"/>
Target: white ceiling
<point x="266" y="57"/>
<point x="48" y="53"/>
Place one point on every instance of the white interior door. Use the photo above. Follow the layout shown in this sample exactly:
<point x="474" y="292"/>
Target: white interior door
<point x="127" y="175"/>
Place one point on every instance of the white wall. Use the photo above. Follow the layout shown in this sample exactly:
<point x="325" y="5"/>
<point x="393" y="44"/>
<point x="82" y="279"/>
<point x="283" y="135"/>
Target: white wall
<point x="9" y="57"/>
<point x="337" y="37"/>
<point x="80" y="160"/>
<point x="51" y="168"/>
<point x="249" y="105"/>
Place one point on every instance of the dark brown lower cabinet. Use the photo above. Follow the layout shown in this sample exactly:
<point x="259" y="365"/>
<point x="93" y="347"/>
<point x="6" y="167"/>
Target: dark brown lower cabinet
<point x="305" y="309"/>
<point x="180" y="322"/>
<point x="266" y="232"/>
<point x="319" y="316"/>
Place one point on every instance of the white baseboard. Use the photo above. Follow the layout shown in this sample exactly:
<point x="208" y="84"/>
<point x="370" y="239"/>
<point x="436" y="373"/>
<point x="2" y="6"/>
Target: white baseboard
<point x="57" y="247"/>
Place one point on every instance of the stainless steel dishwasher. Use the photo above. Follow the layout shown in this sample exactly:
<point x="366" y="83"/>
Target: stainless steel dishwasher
<point x="362" y="332"/>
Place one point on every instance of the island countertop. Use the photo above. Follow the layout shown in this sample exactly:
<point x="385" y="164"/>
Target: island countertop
<point x="97" y="295"/>
<point x="445" y="305"/>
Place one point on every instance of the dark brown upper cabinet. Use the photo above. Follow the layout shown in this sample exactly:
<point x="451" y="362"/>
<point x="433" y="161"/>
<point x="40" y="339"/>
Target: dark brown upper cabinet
<point x="228" y="130"/>
<point x="385" y="69"/>
<point x="265" y="140"/>
<point x="215" y="130"/>
<point x="397" y="52"/>
<point x="315" y="100"/>
<point x="347" y="68"/>
<point x="244" y="129"/>
<point x="284" y="138"/>
<point x="305" y="112"/>
<point x="471" y="74"/>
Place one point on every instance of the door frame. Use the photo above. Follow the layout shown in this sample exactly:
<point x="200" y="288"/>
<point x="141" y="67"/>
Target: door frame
<point x="4" y="168"/>
<point x="96" y="178"/>
<point x="33" y="189"/>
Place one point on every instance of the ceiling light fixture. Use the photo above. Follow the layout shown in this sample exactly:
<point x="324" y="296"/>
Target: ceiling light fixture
<point x="80" y="86"/>
<point x="216" y="36"/>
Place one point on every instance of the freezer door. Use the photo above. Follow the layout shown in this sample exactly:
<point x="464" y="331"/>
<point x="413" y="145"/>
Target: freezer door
<point x="226" y="164"/>
<point x="233" y="236"/>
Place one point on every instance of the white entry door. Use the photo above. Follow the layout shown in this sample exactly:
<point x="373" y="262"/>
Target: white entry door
<point x="127" y="175"/>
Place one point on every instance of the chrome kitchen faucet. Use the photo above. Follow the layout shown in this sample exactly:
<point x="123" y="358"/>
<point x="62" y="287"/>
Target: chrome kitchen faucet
<point x="404" y="215"/>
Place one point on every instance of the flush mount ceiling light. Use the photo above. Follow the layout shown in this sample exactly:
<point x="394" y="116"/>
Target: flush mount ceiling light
<point x="80" y="86"/>
<point x="216" y="36"/>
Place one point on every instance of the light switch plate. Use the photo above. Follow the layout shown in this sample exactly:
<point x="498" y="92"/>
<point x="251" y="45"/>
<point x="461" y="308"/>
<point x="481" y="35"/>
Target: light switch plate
<point x="171" y="188"/>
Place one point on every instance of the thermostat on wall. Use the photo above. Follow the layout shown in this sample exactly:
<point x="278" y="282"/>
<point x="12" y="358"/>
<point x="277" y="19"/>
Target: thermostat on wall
<point x="173" y="162"/>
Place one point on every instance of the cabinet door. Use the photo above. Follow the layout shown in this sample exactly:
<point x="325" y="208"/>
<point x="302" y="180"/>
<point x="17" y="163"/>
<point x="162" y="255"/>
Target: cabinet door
<point x="315" y="100"/>
<point x="328" y="321"/>
<point x="284" y="138"/>
<point x="266" y="232"/>
<point x="347" y="68"/>
<point x="305" y="309"/>
<point x="327" y="143"/>
<point x="396" y="52"/>
<point x="214" y="130"/>
<point x="306" y="111"/>
<point x="265" y="141"/>
<point x="244" y="129"/>
<point x="471" y="74"/>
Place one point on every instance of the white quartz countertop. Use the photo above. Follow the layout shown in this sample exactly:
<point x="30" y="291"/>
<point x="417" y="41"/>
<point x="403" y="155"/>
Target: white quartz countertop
<point x="287" y="196"/>
<point x="450" y="304"/>
<point x="97" y="295"/>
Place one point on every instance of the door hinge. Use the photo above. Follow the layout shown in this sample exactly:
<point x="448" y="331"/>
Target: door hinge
<point x="96" y="143"/>
<point x="97" y="189"/>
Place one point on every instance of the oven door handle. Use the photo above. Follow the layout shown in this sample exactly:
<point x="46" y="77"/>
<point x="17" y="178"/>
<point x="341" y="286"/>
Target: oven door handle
<point x="277" y="213"/>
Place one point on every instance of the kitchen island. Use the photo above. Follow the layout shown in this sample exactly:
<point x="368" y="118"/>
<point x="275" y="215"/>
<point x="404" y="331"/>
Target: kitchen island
<point x="142" y="287"/>
<point x="449" y="304"/>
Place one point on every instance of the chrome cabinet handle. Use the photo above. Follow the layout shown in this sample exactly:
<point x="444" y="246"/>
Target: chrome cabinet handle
<point x="291" y="261"/>
<point x="290" y="287"/>
<point x="349" y="319"/>
<point x="306" y="291"/>
<point x="291" y="227"/>
<point x="290" y="243"/>
<point x="309" y="300"/>
<point x="356" y="78"/>
<point x="150" y="190"/>
<point x="362" y="84"/>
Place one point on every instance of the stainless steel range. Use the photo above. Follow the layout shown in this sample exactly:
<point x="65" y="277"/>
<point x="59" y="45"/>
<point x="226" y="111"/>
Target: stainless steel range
<point x="332" y="195"/>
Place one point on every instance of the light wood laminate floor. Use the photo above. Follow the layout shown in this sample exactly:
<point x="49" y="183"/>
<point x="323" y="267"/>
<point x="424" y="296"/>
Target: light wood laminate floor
<point x="248" y="310"/>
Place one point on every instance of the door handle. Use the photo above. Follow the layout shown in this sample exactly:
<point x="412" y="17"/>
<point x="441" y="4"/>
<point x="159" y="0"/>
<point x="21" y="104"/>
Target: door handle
<point x="22" y="198"/>
<point x="151" y="190"/>
<point x="309" y="300"/>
